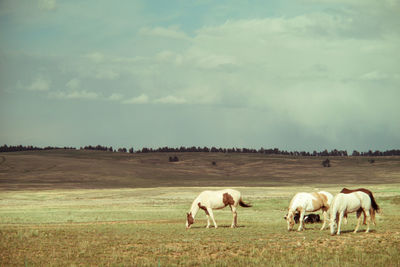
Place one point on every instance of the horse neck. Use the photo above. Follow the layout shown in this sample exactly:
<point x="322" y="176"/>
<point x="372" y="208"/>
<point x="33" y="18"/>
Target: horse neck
<point x="195" y="207"/>
<point x="290" y="211"/>
<point x="334" y="208"/>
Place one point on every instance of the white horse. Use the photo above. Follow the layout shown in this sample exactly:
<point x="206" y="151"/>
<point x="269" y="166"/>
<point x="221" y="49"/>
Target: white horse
<point x="348" y="203"/>
<point x="308" y="202"/>
<point x="209" y="200"/>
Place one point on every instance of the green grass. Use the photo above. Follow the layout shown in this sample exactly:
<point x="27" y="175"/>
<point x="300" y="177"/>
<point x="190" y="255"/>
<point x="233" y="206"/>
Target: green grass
<point x="145" y="227"/>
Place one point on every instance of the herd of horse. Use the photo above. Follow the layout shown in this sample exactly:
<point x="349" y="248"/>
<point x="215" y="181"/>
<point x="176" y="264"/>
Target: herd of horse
<point x="334" y="209"/>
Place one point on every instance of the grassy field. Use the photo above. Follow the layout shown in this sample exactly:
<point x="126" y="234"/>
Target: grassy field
<point x="45" y="222"/>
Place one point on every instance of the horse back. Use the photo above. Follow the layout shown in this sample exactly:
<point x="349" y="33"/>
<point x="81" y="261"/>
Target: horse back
<point x="219" y="199"/>
<point x="306" y="201"/>
<point x="366" y="191"/>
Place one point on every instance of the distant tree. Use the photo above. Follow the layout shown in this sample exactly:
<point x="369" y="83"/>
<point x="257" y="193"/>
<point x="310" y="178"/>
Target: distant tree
<point x="326" y="163"/>
<point x="122" y="150"/>
<point x="173" y="159"/>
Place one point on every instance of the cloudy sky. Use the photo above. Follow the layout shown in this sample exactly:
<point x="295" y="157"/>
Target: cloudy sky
<point x="297" y="75"/>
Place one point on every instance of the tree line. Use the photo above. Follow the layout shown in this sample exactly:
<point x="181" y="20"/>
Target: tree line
<point x="270" y="151"/>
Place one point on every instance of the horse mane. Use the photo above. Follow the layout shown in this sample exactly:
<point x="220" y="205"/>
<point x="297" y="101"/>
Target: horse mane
<point x="374" y="205"/>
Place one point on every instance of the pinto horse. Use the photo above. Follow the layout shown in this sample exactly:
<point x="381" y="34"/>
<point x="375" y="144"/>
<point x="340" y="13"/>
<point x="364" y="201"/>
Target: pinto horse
<point x="374" y="205"/>
<point x="303" y="202"/>
<point x="209" y="200"/>
<point x="347" y="203"/>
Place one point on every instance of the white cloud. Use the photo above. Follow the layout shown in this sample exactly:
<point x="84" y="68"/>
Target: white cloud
<point x="40" y="84"/>
<point x="116" y="97"/>
<point x="375" y="76"/>
<point x="95" y="57"/>
<point x="47" y="4"/>
<point x="74" y="95"/>
<point x="170" y="32"/>
<point x="170" y="100"/>
<point x="73" y="84"/>
<point x="142" y="99"/>
<point x="106" y="74"/>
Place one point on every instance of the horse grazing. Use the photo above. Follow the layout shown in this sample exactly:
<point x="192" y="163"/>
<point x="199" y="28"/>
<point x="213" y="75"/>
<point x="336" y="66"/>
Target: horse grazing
<point x="308" y="202"/>
<point x="209" y="200"/>
<point x="374" y="206"/>
<point x="347" y="203"/>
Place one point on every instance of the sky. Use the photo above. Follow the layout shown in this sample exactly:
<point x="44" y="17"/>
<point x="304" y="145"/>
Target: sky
<point x="295" y="75"/>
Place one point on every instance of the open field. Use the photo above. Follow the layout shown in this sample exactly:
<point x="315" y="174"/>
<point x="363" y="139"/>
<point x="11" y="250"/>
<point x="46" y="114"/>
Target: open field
<point x="145" y="227"/>
<point x="84" y="216"/>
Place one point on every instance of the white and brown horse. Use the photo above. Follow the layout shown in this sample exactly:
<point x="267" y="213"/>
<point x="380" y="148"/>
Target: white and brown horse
<point x="308" y="202"/>
<point x="374" y="206"/>
<point x="347" y="203"/>
<point x="209" y="200"/>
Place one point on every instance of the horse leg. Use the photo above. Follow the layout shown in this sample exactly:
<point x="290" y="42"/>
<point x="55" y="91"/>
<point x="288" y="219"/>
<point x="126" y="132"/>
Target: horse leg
<point x="325" y="213"/>
<point x="341" y="215"/>
<point x="358" y="221"/>
<point x="345" y="218"/>
<point x="372" y="214"/>
<point x="208" y="221"/>
<point x="212" y="217"/>
<point x="368" y="219"/>
<point x="365" y="218"/>
<point x="301" y="220"/>
<point x="234" y="219"/>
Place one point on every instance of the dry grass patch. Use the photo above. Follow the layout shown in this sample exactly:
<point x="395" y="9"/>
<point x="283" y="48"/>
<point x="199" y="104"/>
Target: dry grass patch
<point x="145" y="227"/>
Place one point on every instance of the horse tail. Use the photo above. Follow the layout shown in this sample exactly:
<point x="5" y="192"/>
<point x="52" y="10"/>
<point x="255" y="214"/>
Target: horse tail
<point x="244" y="205"/>
<point x="374" y="205"/>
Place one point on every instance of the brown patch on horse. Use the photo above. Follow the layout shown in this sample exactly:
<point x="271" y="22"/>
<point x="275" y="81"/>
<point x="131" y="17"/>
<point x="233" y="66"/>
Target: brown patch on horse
<point x="189" y="218"/>
<point x="203" y="208"/>
<point x="325" y="202"/>
<point x="318" y="203"/>
<point x="227" y="199"/>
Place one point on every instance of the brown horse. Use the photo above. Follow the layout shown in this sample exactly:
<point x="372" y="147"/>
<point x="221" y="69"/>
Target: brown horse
<point x="374" y="205"/>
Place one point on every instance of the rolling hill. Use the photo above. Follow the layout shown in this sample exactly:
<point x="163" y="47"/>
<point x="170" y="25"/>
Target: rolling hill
<point x="67" y="169"/>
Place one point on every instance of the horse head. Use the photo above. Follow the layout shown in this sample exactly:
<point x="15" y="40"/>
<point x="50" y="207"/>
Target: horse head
<point x="189" y="220"/>
<point x="290" y="220"/>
